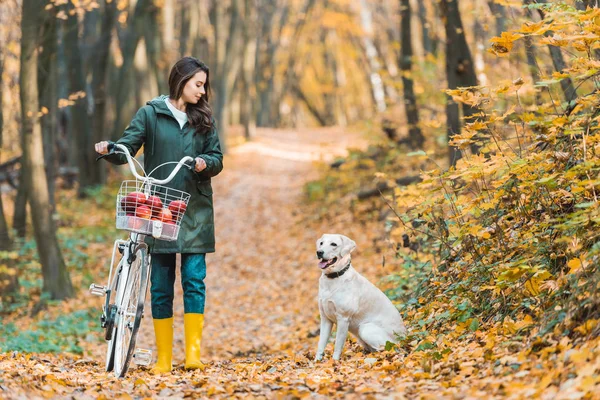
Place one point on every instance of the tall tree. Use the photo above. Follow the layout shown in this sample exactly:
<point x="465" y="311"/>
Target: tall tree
<point x="272" y="21"/>
<point x="48" y="92"/>
<point x="248" y="97"/>
<point x="80" y="122"/>
<point x="56" y="277"/>
<point x="429" y="45"/>
<point x="499" y="12"/>
<point x="406" y="54"/>
<point x="460" y="72"/>
<point x="5" y="240"/>
<point x="559" y="63"/>
<point x="99" y="80"/>
<point x="154" y="36"/>
<point x="124" y="99"/>
<point x="373" y="65"/>
<point x="229" y="53"/>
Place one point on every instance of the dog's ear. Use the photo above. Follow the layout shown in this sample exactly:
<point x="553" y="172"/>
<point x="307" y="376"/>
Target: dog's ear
<point x="348" y="245"/>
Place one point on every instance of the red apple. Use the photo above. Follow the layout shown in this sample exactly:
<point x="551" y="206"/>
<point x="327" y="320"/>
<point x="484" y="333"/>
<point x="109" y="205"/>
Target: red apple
<point x="132" y="200"/>
<point x="155" y="204"/>
<point x="164" y="215"/>
<point x="137" y="224"/>
<point x="177" y="207"/>
<point x="143" y="212"/>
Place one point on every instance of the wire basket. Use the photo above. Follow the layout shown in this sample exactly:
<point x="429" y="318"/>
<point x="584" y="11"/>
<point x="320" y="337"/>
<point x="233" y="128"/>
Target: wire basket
<point x="153" y="210"/>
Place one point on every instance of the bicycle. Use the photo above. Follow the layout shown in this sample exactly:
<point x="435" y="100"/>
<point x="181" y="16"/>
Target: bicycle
<point x="140" y="211"/>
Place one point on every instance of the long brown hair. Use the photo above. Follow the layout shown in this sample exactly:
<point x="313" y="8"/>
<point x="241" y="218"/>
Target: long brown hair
<point x="199" y="114"/>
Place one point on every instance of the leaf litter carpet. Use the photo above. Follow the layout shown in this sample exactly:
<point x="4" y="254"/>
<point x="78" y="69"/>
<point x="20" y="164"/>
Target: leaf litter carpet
<point x="261" y="319"/>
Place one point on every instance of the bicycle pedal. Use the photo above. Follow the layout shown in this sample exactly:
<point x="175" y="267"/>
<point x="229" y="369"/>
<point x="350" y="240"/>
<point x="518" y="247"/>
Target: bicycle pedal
<point x="142" y="356"/>
<point x="97" y="290"/>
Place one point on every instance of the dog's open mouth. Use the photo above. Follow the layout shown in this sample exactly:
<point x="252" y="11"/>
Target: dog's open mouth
<point x="326" y="263"/>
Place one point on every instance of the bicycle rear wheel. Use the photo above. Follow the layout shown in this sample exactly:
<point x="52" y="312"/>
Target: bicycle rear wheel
<point x="130" y="311"/>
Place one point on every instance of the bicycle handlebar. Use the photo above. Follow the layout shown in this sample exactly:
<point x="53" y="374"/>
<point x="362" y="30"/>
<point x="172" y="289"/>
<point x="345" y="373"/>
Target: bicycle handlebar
<point x="181" y="163"/>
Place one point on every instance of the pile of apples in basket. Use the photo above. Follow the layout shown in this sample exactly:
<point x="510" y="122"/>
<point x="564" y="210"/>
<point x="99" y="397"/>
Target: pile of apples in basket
<point x="137" y="204"/>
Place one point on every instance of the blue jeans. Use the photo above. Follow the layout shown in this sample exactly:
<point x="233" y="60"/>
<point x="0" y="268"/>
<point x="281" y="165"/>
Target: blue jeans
<point x="162" y="282"/>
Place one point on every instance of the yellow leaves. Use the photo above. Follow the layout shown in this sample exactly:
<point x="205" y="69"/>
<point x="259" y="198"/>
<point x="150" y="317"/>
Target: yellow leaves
<point x="587" y="327"/>
<point x="534" y="28"/>
<point x="512" y="326"/>
<point x="473" y="96"/>
<point x="535" y="284"/>
<point x="555" y="40"/>
<point x="503" y="44"/>
<point x="574" y="265"/>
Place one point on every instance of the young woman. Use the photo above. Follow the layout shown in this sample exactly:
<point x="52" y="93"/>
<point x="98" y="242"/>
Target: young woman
<point x="171" y="127"/>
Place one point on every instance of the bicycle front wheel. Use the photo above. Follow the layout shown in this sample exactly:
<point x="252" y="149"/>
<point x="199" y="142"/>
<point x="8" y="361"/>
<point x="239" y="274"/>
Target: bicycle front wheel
<point x="130" y="311"/>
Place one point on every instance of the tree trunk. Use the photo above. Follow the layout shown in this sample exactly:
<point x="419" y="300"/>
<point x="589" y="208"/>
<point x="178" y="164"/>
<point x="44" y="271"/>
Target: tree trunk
<point x="410" y="100"/>
<point x="427" y="42"/>
<point x="48" y="91"/>
<point x="460" y="72"/>
<point x="99" y="82"/>
<point x="169" y="50"/>
<point x="155" y="49"/>
<point x="229" y="56"/>
<point x="530" y="54"/>
<point x="20" y="215"/>
<point x="372" y="56"/>
<point x="266" y="57"/>
<point x="558" y="61"/>
<point x="499" y="12"/>
<point x="480" y="46"/>
<point x="204" y="45"/>
<point x="56" y="278"/>
<point x="290" y="78"/>
<point x="248" y="97"/>
<point x="125" y="99"/>
<point x="79" y="126"/>
<point x="5" y="240"/>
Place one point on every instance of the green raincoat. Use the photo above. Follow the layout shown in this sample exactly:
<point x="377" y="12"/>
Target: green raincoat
<point x="155" y="127"/>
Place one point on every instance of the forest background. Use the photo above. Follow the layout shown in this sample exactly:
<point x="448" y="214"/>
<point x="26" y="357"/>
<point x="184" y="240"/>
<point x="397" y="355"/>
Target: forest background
<point x="480" y="178"/>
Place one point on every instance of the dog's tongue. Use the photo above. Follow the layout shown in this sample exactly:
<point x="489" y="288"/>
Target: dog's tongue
<point x="323" y="264"/>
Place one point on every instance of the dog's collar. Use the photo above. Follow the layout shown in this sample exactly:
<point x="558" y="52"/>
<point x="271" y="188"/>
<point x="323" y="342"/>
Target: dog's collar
<point x="339" y="273"/>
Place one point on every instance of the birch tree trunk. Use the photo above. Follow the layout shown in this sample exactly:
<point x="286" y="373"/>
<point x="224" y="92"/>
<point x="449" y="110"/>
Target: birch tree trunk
<point x="56" y="278"/>
<point x="372" y="56"/>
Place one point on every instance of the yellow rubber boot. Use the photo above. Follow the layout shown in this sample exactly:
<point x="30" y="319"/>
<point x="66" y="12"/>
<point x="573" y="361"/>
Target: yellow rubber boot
<point x="193" y="324"/>
<point x="163" y="330"/>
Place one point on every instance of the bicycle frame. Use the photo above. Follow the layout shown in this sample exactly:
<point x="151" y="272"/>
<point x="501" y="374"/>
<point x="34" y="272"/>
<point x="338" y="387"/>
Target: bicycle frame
<point x="116" y="314"/>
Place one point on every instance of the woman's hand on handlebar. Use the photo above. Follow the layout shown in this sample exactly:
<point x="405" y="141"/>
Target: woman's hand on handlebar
<point x="102" y="147"/>
<point x="200" y="164"/>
